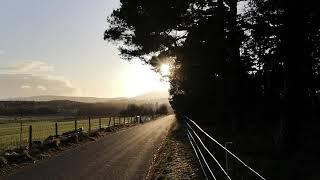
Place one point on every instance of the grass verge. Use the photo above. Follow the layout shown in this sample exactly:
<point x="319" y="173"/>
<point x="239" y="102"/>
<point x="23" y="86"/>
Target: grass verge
<point x="175" y="159"/>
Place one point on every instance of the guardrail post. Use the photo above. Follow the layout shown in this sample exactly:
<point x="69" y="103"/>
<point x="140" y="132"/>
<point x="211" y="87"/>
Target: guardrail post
<point x="56" y="128"/>
<point x="226" y="156"/>
<point x="30" y="136"/>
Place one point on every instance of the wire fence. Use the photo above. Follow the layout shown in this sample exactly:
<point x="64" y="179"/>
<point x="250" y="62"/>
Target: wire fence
<point x="208" y="150"/>
<point x="15" y="134"/>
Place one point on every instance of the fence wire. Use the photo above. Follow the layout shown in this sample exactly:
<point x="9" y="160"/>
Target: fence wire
<point x="189" y="128"/>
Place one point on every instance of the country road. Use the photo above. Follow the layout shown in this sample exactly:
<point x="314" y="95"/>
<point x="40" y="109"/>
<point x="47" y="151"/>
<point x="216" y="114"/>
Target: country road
<point x="126" y="154"/>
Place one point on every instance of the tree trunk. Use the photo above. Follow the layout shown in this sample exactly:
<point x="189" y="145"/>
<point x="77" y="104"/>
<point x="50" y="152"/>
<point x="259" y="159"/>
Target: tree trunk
<point x="298" y="77"/>
<point x="235" y="69"/>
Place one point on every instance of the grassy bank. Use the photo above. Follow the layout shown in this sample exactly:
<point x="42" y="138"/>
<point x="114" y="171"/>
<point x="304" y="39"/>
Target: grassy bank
<point x="175" y="159"/>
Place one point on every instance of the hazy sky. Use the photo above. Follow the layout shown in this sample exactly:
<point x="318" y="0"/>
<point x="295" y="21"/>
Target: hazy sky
<point x="56" y="47"/>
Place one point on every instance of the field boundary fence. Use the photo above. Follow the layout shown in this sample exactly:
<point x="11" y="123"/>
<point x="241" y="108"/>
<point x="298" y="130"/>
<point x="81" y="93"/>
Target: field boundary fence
<point x="202" y="142"/>
<point x="21" y="133"/>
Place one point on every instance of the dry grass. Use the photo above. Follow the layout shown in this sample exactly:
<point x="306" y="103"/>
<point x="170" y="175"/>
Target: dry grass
<point x="175" y="159"/>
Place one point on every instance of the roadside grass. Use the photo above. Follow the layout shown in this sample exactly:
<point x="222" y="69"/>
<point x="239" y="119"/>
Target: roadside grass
<point x="175" y="158"/>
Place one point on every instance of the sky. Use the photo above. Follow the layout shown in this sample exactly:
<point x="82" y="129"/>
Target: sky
<point x="56" y="47"/>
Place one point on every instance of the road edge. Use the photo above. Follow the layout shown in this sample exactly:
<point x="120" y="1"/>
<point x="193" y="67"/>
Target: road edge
<point x="158" y="152"/>
<point x="175" y="158"/>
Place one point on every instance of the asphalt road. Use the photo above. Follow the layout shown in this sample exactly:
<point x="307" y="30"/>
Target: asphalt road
<point x="126" y="154"/>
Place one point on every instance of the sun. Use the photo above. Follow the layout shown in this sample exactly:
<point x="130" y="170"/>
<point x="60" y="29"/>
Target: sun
<point x="165" y="69"/>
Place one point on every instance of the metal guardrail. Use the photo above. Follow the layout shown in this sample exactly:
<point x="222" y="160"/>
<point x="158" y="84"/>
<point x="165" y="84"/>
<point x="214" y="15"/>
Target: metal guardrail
<point x="192" y="136"/>
<point x="196" y="152"/>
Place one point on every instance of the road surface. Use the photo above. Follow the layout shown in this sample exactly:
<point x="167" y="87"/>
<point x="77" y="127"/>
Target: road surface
<point x="126" y="154"/>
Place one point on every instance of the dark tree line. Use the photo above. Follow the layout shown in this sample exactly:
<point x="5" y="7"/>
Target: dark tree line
<point x="71" y="108"/>
<point x="145" y="109"/>
<point x="236" y="64"/>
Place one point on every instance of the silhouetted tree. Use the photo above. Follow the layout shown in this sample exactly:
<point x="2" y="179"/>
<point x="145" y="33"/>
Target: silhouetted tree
<point x="162" y="109"/>
<point x="248" y="66"/>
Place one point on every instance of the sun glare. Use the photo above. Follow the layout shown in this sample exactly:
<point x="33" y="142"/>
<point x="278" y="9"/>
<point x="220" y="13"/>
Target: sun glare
<point x="140" y="79"/>
<point x="165" y="69"/>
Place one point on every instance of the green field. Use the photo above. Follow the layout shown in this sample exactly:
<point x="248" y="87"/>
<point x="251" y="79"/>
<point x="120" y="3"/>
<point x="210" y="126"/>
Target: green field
<point x="15" y="134"/>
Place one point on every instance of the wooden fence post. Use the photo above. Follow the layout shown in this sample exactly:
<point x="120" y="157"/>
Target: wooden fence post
<point x="99" y="123"/>
<point x="114" y="121"/>
<point x="30" y="136"/>
<point x="75" y="125"/>
<point x="56" y="129"/>
<point x="109" y="121"/>
<point x="20" y="134"/>
<point x="140" y="119"/>
<point x="89" y="131"/>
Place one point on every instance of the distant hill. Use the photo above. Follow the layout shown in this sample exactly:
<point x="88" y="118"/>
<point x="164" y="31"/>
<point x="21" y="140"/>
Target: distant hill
<point x="56" y="98"/>
<point x="74" y="106"/>
<point x="150" y="96"/>
<point x="153" y="95"/>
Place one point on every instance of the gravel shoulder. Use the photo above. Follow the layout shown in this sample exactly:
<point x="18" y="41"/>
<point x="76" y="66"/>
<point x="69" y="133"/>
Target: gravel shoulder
<point x="175" y="159"/>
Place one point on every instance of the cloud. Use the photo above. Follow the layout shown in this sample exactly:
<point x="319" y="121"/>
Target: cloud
<point x="40" y="87"/>
<point x="29" y="67"/>
<point x="33" y="78"/>
<point x="25" y="87"/>
<point x="2" y="51"/>
<point x="21" y="85"/>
